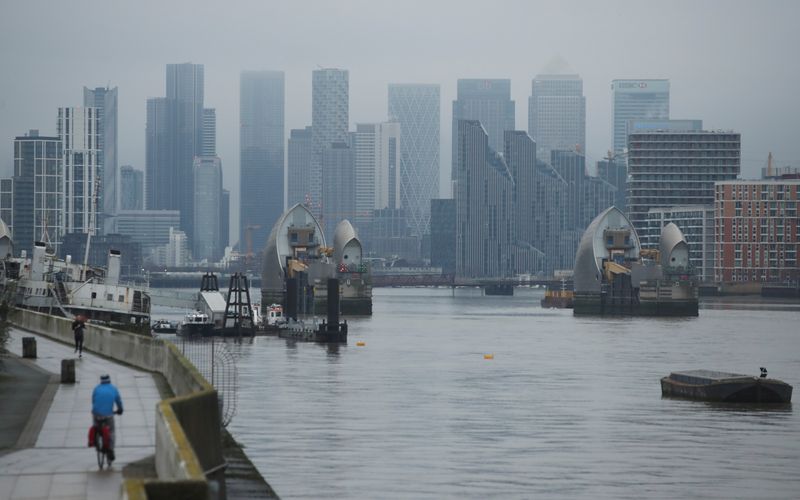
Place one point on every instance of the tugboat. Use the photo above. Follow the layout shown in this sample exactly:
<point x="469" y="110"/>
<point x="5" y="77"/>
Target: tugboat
<point x="164" y="326"/>
<point x="724" y="387"/>
<point x="196" y="323"/>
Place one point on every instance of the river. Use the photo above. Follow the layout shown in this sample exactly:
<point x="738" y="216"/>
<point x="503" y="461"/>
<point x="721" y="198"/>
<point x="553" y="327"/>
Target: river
<point x="567" y="408"/>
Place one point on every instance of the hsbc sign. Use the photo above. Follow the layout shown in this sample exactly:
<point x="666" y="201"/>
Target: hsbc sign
<point x="641" y="85"/>
<point x="633" y="85"/>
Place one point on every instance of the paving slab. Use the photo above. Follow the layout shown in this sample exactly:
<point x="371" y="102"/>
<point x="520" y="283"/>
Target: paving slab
<point x="60" y="465"/>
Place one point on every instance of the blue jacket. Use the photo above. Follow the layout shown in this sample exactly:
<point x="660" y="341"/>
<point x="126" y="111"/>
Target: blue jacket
<point x="103" y="399"/>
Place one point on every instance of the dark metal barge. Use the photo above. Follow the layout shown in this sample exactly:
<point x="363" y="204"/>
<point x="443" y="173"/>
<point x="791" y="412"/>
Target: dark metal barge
<point x="724" y="387"/>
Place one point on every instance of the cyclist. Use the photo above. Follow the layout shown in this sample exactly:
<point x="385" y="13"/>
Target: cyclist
<point x="104" y="397"/>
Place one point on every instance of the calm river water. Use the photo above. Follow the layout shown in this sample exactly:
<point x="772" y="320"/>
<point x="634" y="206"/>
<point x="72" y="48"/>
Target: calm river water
<point x="568" y="408"/>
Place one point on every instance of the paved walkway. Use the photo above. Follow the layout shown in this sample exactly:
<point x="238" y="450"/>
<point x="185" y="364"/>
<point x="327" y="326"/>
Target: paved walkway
<point x="60" y="465"/>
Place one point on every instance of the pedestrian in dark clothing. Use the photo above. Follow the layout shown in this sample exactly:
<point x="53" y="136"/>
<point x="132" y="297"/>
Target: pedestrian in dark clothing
<point x="77" y="329"/>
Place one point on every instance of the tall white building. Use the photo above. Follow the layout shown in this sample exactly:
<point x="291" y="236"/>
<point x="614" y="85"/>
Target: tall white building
<point x="416" y="108"/>
<point x="330" y="119"/>
<point x="105" y="100"/>
<point x="557" y="114"/>
<point x="377" y="170"/>
<point x="207" y="199"/>
<point x="79" y="131"/>
<point x="637" y="100"/>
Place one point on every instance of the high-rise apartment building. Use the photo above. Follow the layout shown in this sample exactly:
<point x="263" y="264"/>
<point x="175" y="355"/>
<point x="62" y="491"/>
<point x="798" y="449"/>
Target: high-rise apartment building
<point x="298" y="167"/>
<point x="484" y="209"/>
<point x="668" y="168"/>
<point x="79" y="131"/>
<point x="261" y="150"/>
<point x="637" y="100"/>
<point x="224" y="221"/>
<point x="557" y="114"/>
<point x="37" y="191"/>
<point x="174" y="137"/>
<point x="416" y="108"/>
<point x="7" y="203"/>
<point x="377" y="172"/>
<point x="487" y="101"/>
<point x="757" y="230"/>
<point x="131" y="191"/>
<point x="330" y="119"/>
<point x="104" y="99"/>
<point x="209" y="142"/>
<point x="208" y="198"/>
<point x="443" y="234"/>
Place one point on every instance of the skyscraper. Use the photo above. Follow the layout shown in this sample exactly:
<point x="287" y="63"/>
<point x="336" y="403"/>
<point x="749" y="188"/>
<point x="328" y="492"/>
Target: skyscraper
<point x="209" y="145"/>
<point x="338" y="186"/>
<point x="330" y="119"/>
<point x="519" y="153"/>
<point x="377" y="172"/>
<point x="484" y="210"/>
<point x="207" y="200"/>
<point x="79" y="131"/>
<point x="37" y="190"/>
<point x="557" y="114"/>
<point x="637" y="100"/>
<point x="298" y="168"/>
<point x="161" y="175"/>
<point x="487" y="101"/>
<point x="185" y="84"/>
<point x="416" y="108"/>
<point x="105" y="101"/>
<point x="131" y="191"/>
<point x="261" y="139"/>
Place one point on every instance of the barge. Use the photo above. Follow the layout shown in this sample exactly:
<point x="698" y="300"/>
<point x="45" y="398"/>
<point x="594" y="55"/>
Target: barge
<point x="707" y="385"/>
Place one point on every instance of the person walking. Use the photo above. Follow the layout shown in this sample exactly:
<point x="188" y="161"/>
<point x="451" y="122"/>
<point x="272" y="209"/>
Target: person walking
<point x="77" y="329"/>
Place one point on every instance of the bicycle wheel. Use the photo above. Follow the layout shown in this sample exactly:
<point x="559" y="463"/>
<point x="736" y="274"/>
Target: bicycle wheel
<point x="101" y="454"/>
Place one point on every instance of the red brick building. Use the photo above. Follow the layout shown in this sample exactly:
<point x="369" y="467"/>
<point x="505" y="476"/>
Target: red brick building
<point x="756" y="229"/>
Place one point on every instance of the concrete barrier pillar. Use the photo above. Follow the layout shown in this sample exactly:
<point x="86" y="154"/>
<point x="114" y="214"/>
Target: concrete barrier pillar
<point x="29" y="347"/>
<point x="68" y="371"/>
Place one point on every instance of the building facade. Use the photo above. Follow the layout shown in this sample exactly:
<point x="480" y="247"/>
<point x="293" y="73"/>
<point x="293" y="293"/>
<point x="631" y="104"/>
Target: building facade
<point x="37" y="200"/>
<point x="330" y="122"/>
<point x="79" y="131"/>
<point x="208" y="146"/>
<point x="149" y="228"/>
<point x="637" y="100"/>
<point x="207" y="208"/>
<point x="487" y="101"/>
<point x="377" y="172"/>
<point x="338" y="192"/>
<point x="104" y="99"/>
<point x="484" y="191"/>
<point x="443" y="234"/>
<point x="131" y="191"/>
<point x="696" y="222"/>
<point x="261" y="153"/>
<point x="557" y="114"/>
<point x="671" y="168"/>
<point x="416" y="108"/>
<point x="756" y="231"/>
<point x="298" y="166"/>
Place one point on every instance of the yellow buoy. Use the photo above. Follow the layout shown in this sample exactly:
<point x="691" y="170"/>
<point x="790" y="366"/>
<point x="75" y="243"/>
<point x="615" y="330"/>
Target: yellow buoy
<point x="488" y="356"/>
<point x="361" y="343"/>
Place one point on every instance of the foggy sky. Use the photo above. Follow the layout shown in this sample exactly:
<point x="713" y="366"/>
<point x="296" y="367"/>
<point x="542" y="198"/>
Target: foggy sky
<point x="732" y="64"/>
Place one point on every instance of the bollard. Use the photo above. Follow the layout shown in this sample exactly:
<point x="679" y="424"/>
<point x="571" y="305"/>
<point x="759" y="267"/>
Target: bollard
<point x="29" y="347"/>
<point x="68" y="371"/>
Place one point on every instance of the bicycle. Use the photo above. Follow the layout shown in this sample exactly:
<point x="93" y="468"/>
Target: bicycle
<point x="105" y="454"/>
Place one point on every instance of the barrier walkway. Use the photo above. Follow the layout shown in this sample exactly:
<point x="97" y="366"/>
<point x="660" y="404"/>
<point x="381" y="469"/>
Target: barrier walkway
<point x="60" y="465"/>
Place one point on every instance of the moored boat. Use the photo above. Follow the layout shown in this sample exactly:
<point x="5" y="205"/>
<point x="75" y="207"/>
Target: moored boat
<point x="164" y="326"/>
<point x="724" y="387"/>
<point x="196" y="323"/>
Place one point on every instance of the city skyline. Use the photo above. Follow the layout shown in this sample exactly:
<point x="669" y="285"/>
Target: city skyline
<point x="711" y="89"/>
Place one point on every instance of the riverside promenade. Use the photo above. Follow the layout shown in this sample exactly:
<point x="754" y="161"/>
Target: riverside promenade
<point x="59" y="465"/>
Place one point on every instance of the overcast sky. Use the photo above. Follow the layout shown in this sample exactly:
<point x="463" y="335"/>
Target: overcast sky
<point x="732" y="64"/>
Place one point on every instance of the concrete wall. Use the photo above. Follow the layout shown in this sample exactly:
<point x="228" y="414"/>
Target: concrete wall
<point x="188" y="435"/>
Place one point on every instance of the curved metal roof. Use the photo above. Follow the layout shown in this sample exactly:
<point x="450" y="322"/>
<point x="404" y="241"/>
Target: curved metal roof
<point x="588" y="259"/>
<point x="4" y="231"/>
<point x="344" y="235"/>
<point x="671" y="239"/>
<point x="276" y="250"/>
